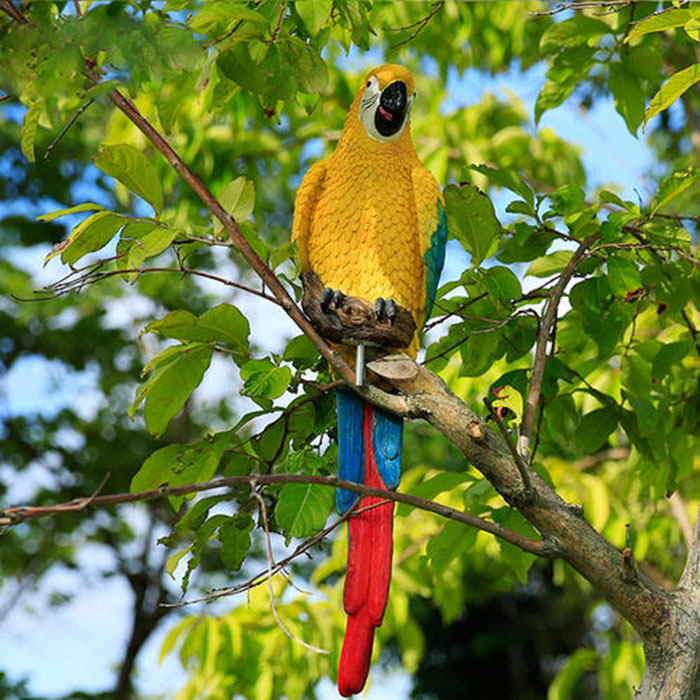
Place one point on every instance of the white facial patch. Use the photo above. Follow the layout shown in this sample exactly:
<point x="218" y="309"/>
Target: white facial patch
<point x="368" y="108"/>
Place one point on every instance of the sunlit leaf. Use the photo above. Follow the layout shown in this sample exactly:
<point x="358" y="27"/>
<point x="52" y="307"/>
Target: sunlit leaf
<point x="659" y="23"/>
<point x="29" y="126"/>
<point x="302" y="509"/>
<point x="175" y="373"/>
<point x="136" y="172"/>
<point x="672" y="89"/>
<point x="471" y="219"/>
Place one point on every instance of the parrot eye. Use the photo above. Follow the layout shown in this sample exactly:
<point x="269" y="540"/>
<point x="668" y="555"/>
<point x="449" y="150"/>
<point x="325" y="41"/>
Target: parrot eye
<point x="369" y="82"/>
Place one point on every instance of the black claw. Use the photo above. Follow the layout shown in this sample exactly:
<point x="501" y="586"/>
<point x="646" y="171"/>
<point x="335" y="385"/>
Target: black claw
<point x="326" y="299"/>
<point x="338" y="298"/>
<point x="391" y="310"/>
<point x="379" y="307"/>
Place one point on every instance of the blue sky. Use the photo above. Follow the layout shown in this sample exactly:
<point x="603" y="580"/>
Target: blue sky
<point x="76" y="646"/>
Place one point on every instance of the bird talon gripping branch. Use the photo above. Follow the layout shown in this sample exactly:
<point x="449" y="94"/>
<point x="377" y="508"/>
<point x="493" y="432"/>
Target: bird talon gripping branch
<point x="354" y="210"/>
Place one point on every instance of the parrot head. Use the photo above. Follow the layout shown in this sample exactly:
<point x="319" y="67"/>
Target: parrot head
<point x="385" y="102"/>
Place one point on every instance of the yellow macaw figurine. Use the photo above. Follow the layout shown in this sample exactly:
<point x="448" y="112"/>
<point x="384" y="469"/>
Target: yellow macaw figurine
<point x="369" y="220"/>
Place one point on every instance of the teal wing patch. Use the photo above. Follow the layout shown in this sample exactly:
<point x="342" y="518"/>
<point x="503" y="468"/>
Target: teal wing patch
<point x="434" y="259"/>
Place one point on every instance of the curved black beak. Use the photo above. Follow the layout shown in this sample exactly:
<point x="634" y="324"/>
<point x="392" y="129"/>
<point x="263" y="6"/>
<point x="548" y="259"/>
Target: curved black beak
<point x="392" y="108"/>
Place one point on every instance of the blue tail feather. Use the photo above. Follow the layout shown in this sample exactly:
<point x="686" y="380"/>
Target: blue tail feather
<point x="351" y="450"/>
<point x="387" y="434"/>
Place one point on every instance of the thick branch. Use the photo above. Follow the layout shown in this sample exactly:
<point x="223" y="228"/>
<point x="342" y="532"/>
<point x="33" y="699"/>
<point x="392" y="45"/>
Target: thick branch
<point x="12" y="516"/>
<point x="640" y="601"/>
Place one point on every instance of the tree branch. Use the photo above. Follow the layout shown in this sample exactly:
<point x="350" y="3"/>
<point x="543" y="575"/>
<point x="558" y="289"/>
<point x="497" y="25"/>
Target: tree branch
<point x="256" y="262"/>
<point x="533" y="396"/>
<point x="691" y="572"/>
<point x="641" y="602"/>
<point x="542" y="548"/>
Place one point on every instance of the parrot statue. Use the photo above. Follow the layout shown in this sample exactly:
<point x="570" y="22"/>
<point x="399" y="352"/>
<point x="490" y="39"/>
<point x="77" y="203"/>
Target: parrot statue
<point x="369" y="220"/>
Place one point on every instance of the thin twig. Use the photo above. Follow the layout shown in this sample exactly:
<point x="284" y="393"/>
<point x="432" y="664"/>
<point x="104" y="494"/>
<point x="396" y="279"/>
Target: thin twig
<point x="420" y="25"/>
<point x="517" y="458"/>
<point x="540" y="358"/>
<point x="8" y="8"/>
<point x="691" y="327"/>
<point x="455" y="312"/>
<point x="78" y="9"/>
<point x="61" y="287"/>
<point x="262" y="576"/>
<point x="582" y="6"/>
<point x="543" y="548"/>
<point x="270" y="564"/>
<point x="64" y="130"/>
<point x="629" y="572"/>
<point x="233" y="230"/>
<point x="278" y="26"/>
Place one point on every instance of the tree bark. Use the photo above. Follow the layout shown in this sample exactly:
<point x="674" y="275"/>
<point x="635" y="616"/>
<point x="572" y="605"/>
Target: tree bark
<point x="674" y="670"/>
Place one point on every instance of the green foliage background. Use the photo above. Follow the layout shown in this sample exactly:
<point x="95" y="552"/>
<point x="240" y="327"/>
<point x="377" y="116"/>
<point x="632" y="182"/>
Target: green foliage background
<point x="248" y="94"/>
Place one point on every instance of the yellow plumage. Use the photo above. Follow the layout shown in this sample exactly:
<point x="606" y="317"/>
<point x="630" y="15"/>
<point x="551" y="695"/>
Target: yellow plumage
<point x="364" y="216"/>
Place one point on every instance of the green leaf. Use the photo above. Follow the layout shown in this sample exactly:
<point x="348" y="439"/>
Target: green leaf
<point x="668" y="356"/>
<point x="174" y="635"/>
<point x="433" y="486"/>
<point x="221" y="324"/>
<point x="309" y="66"/>
<point x="647" y="415"/>
<point x="572" y="32"/>
<point x="89" y="235"/>
<point x="88" y="206"/>
<point x="672" y="89"/>
<point x="238" y="199"/>
<point x="453" y="540"/>
<point x="302" y="509"/>
<point x="264" y="379"/>
<point x="270" y="445"/>
<point x="514" y="556"/>
<point x="550" y="264"/>
<point x="131" y="167"/>
<point x="175" y="373"/>
<point x="179" y="465"/>
<point x="568" y="199"/>
<point x="508" y="178"/>
<point x="237" y="65"/>
<point x="302" y="350"/>
<point x="314" y="14"/>
<point x="502" y="284"/>
<point x="623" y="275"/>
<point x="594" y="428"/>
<point x="552" y="94"/>
<point x="659" y="23"/>
<point x="472" y="221"/>
<point x="567" y="679"/>
<point x="29" y="126"/>
<point x="628" y="95"/>
<point x="226" y="12"/>
<point x="673" y="186"/>
<point x="151" y="240"/>
<point x="235" y="539"/>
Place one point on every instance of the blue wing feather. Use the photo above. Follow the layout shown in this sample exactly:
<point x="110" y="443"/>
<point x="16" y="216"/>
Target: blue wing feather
<point x="351" y="450"/>
<point x="434" y="259"/>
<point x="387" y="432"/>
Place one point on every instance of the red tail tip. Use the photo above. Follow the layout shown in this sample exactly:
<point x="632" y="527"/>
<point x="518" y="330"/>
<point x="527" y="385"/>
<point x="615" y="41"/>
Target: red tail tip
<point x="356" y="655"/>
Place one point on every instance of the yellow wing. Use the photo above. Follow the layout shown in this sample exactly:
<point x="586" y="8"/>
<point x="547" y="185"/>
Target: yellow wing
<point x="432" y="231"/>
<point x="304" y="204"/>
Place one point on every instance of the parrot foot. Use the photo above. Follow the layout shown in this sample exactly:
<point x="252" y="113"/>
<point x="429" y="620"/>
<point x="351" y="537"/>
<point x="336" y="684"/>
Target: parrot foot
<point x="386" y="308"/>
<point x="331" y="296"/>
